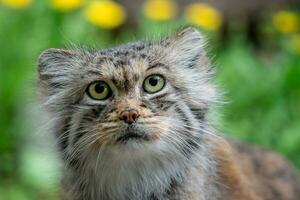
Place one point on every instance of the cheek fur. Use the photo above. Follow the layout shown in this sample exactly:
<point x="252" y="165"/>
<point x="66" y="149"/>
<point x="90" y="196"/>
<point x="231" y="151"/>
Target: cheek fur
<point x="103" y="124"/>
<point x="156" y="128"/>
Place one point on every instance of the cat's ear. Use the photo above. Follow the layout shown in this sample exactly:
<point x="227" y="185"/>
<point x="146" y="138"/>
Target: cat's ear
<point x="54" y="62"/>
<point x="54" y="71"/>
<point x="186" y="46"/>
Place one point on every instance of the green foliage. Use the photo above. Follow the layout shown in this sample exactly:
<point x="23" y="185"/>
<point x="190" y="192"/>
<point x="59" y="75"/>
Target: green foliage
<point x="262" y="89"/>
<point x="263" y="95"/>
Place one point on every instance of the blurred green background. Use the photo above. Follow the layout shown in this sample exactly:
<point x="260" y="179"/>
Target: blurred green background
<point x="256" y="52"/>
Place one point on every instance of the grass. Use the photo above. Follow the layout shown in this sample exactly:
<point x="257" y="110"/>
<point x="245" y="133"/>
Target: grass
<point x="262" y="90"/>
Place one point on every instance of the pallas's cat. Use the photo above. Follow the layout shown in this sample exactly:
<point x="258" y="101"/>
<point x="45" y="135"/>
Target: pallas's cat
<point x="131" y="123"/>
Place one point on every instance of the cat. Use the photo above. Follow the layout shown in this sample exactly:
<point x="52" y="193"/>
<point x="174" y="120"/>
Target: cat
<point x="132" y="123"/>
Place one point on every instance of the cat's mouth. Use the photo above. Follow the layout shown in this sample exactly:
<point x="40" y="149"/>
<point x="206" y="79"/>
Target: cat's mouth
<point x="132" y="134"/>
<point x="129" y="136"/>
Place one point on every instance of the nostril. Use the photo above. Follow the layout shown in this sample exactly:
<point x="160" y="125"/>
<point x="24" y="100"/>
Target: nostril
<point x="134" y="116"/>
<point x="129" y="116"/>
<point x="124" y="117"/>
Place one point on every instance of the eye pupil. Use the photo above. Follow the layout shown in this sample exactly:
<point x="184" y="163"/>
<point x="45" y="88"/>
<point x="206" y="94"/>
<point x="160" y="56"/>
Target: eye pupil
<point x="99" y="88"/>
<point x="153" y="80"/>
<point x="153" y="83"/>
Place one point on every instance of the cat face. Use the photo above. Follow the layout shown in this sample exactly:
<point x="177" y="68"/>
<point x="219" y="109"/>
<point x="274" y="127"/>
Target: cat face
<point x="135" y="96"/>
<point x="128" y="103"/>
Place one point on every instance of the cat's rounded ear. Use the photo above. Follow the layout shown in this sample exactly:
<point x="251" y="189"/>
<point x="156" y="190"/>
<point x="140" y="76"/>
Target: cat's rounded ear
<point x="186" y="46"/>
<point x="54" y="72"/>
<point x="54" y="62"/>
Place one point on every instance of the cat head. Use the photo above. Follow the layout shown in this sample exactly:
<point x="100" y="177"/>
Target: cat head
<point x="138" y="96"/>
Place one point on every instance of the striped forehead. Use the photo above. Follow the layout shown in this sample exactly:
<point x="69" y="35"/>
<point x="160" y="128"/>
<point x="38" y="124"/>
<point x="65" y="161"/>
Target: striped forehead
<point x="123" y="72"/>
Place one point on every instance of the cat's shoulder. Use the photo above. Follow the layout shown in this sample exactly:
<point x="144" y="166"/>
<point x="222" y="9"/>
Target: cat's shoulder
<point x="253" y="172"/>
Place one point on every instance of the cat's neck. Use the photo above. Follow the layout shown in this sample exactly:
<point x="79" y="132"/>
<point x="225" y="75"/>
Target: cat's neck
<point x="147" y="177"/>
<point x="144" y="177"/>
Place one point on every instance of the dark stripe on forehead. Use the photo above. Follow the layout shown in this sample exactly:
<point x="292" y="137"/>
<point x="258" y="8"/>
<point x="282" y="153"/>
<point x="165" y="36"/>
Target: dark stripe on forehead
<point x="122" y="82"/>
<point x="139" y="46"/>
<point x="115" y="82"/>
<point x="144" y="56"/>
<point x="100" y="61"/>
<point x="127" y="82"/>
<point x="121" y="62"/>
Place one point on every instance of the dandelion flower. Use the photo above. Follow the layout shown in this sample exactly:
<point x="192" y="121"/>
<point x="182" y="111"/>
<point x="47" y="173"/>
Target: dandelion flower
<point x="295" y="43"/>
<point x="105" y="14"/>
<point x="18" y="4"/>
<point x="160" y="10"/>
<point x="66" y="5"/>
<point x="286" y="21"/>
<point x="203" y="15"/>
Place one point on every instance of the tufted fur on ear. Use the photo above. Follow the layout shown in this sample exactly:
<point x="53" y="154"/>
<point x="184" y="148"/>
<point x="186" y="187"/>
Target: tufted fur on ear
<point x="186" y="47"/>
<point x="185" y="52"/>
<point x="60" y="85"/>
<point x="54" y="63"/>
<point x="56" y="72"/>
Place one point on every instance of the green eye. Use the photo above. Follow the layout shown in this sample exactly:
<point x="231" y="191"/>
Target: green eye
<point x="154" y="83"/>
<point x="98" y="90"/>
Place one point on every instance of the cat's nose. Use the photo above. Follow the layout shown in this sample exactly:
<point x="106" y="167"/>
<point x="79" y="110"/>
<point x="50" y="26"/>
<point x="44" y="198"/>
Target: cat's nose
<point x="129" y="116"/>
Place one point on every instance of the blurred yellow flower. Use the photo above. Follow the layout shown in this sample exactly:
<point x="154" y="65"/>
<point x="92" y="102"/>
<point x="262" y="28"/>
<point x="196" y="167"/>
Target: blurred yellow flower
<point x="17" y="3"/>
<point x="295" y="43"/>
<point x="286" y="21"/>
<point x="203" y="15"/>
<point x="160" y="10"/>
<point x="105" y="13"/>
<point x="66" y="5"/>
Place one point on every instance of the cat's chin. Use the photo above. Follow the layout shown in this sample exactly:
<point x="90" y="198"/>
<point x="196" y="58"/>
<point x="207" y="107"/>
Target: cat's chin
<point x="134" y="150"/>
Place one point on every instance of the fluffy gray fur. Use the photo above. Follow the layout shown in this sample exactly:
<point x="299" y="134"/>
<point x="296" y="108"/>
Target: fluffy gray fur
<point x="176" y="165"/>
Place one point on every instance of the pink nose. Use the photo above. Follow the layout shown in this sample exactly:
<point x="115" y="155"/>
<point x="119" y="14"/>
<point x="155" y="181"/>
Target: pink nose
<point x="129" y="116"/>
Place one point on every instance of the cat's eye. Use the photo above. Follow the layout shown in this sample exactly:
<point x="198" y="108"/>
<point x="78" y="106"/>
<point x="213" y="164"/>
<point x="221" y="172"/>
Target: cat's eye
<point x="98" y="90"/>
<point x="154" y="83"/>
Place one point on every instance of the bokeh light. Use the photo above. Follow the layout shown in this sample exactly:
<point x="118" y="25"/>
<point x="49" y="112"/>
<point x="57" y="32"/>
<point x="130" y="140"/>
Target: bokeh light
<point x="203" y="15"/>
<point x="160" y="10"/>
<point x="66" y="5"/>
<point x="286" y="21"/>
<point x="105" y="13"/>
<point x="18" y="4"/>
